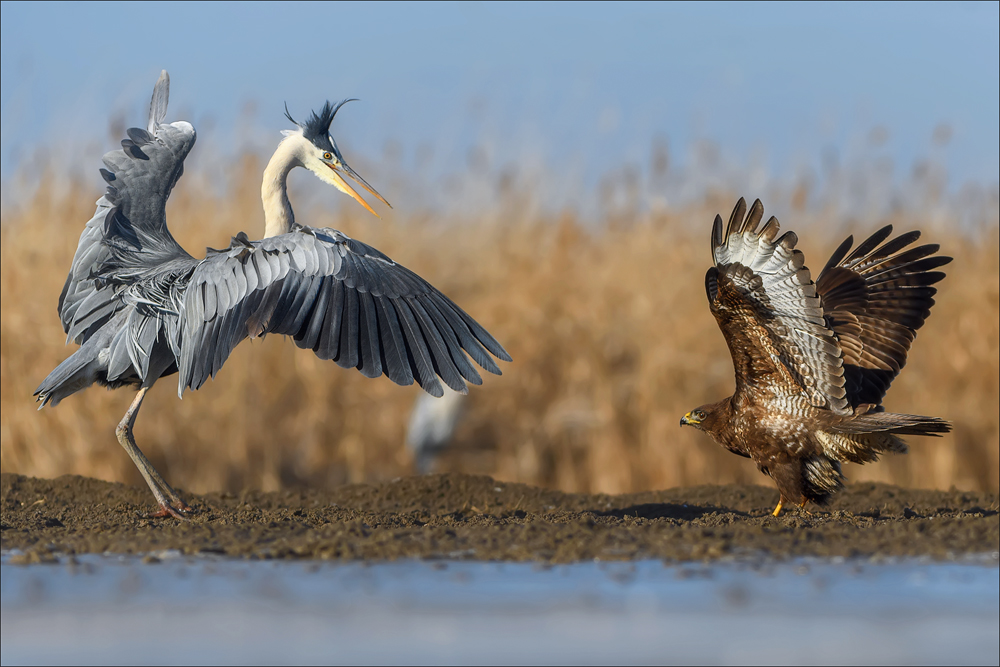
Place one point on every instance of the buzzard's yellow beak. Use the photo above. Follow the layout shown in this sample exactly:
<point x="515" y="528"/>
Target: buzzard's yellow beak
<point x="689" y="420"/>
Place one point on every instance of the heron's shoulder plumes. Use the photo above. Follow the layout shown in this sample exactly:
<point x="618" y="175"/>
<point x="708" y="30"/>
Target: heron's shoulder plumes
<point x="316" y="128"/>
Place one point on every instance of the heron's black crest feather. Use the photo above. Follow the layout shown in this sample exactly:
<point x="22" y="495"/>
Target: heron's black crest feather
<point x="288" y="115"/>
<point x="317" y="127"/>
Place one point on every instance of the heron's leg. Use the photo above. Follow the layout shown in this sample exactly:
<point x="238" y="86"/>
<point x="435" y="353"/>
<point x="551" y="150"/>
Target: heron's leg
<point x="170" y="502"/>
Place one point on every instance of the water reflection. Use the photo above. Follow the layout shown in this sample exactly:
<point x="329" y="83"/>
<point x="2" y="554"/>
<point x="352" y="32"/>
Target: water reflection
<point x="173" y="608"/>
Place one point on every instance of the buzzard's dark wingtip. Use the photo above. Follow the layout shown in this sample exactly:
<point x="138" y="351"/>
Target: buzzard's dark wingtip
<point x="717" y="237"/>
<point x="756" y="215"/>
<point x="739" y="212"/>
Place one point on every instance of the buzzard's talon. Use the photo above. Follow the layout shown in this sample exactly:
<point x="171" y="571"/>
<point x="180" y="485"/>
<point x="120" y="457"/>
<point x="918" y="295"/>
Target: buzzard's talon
<point x="777" y="510"/>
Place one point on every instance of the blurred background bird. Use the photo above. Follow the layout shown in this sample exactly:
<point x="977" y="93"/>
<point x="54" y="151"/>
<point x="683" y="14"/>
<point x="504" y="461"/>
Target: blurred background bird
<point x="432" y="427"/>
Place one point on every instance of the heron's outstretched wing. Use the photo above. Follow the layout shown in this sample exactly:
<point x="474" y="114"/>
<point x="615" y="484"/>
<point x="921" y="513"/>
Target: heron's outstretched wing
<point x="336" y="296"/>
<point x="130" y="217"/>
<point x="766" y="304"/>
<point x="875" y="299"/>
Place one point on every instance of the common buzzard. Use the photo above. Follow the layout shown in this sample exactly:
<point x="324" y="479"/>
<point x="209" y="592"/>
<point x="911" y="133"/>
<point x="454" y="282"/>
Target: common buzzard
<point x="814" y="360"/>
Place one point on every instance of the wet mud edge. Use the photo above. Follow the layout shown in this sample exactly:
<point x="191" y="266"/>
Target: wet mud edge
<point x="478" y="518"/>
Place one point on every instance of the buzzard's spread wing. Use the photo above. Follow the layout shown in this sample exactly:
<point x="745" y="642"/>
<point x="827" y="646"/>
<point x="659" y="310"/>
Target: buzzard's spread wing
<point x="875" y="299"/>
<point x="813" y="360"/>
<point x="767" y="306"/>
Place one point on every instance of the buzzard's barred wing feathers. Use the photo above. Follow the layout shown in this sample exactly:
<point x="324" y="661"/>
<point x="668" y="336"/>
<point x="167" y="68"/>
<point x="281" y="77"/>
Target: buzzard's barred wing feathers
<point x="760" y="283"/>
<point x="813" y="360"/>
<point x="875" y="299"/>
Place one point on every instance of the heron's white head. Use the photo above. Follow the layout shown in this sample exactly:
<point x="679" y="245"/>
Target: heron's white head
<point x="315" y="149"/>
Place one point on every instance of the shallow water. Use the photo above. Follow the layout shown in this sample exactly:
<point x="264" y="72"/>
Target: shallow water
<point x="180" y="609"/>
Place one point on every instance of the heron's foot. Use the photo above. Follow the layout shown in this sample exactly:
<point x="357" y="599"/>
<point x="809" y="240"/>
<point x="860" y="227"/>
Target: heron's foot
<point x="168" y="510"/>
<point x="170" y="504"/>
<point x="175" y="500"/>
<point x="170" y="501"/>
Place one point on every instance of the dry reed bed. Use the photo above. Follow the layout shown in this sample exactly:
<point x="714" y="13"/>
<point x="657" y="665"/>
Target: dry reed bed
<point x="609" y="329"/>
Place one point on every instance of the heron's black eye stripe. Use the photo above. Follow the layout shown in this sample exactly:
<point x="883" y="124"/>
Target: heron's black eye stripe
<point x="327" y="156"/>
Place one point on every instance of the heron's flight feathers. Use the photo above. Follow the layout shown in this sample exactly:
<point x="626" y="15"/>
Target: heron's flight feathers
<point x="132" y="212"/>
<point x="339" y="297"/>
<point x="158" y="104"/>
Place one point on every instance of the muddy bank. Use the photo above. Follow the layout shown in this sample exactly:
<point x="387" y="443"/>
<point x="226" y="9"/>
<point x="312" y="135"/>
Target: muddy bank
<point x="469" y="517"/>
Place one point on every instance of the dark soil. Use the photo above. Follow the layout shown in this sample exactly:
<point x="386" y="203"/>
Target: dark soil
<point x="461" y="516"/>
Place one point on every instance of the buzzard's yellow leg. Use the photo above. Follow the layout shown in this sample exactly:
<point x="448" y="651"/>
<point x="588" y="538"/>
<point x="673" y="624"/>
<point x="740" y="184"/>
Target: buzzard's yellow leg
<point x="777" y="510"/>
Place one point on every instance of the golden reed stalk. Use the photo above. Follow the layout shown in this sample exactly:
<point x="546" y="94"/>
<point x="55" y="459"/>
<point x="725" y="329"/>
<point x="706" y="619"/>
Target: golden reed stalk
<point x="608" y="325"/>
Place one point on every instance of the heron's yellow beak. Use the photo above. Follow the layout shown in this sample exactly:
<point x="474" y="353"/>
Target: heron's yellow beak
<point x="346" y="188"/>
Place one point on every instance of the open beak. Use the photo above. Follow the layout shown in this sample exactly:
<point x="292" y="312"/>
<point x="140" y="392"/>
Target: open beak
<point x="345" y="186"/>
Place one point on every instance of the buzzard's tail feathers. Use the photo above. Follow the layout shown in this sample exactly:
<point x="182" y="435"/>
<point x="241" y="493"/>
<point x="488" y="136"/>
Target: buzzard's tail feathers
<point x="889" y="422"/>
<point x="864" y="437"/>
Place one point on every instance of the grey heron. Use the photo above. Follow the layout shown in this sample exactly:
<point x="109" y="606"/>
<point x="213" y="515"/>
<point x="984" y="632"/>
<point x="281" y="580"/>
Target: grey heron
<point x="142" y="308"/>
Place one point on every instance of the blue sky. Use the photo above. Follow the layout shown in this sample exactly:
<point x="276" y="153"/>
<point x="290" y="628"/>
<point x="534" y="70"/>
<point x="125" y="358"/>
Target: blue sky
<point x="575" y="87"/>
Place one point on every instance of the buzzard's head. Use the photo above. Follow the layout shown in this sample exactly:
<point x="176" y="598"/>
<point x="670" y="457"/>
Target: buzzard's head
<point x="702" y="418"/>
<point x="694" y="418"/>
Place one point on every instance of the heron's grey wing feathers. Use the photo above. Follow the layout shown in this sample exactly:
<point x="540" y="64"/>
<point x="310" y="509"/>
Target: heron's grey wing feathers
<point x="158" y="104"/>
<point x="334" y="295"/>
<point x="128" y="233"/>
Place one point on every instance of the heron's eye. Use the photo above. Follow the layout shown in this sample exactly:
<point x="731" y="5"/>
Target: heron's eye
<point x="327" y="156"/>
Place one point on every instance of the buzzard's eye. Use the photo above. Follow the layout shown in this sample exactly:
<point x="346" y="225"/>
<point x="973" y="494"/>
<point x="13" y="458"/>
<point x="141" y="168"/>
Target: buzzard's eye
<point x="700" y="414"/>
<point x="327" y="156"/>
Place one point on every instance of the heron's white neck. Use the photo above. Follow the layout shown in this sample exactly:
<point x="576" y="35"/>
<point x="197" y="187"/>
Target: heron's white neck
<point x="278" y="216"/>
